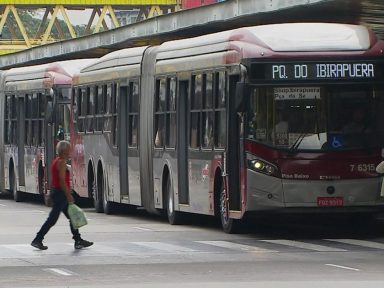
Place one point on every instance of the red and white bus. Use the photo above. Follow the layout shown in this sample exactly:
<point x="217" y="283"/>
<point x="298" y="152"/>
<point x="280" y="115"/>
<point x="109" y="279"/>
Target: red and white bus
<point x="284" y="117"/>
<point x="35" y="112"/>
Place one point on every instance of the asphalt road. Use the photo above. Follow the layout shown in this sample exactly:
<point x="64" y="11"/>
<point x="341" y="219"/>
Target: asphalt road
<point x="134" y="249"/>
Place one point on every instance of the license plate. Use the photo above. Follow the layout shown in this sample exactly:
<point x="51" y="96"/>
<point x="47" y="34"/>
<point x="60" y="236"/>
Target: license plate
<point x="330" y="201"/>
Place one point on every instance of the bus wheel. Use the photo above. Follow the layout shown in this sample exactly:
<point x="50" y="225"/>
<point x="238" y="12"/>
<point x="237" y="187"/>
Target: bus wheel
<point x="107" y="205"/>
<point x="98" y="201"/>
<point x="17" y="195"/>
<point x="229" y="225"/>
<point x="174" y="217"/>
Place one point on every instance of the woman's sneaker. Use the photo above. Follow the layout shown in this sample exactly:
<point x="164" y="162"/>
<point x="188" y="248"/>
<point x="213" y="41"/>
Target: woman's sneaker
<point x="79" y="244"/>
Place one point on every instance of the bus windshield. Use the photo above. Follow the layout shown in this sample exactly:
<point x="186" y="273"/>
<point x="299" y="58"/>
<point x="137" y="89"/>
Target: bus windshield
<point x="334" y="117"/>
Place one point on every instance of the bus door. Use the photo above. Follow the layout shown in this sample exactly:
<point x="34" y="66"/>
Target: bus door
<point x="182" y="143"/>
<point x="123" y="143"/>
<point x="234" y="144"/>
<point x="49" y="127"/>
<point x="21" y="139"/>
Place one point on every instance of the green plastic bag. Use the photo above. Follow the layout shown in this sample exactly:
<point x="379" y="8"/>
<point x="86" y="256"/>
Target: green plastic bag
<point x="77" y="216"/>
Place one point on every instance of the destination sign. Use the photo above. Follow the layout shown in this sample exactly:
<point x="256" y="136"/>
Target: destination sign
<point x="316" y="71"/>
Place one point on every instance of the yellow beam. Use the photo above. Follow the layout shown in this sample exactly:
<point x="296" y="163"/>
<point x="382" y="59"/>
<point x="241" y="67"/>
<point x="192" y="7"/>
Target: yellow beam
<point x="154" y="11"/>
<point x="101" y="20"/>
<point x="20" y="24"/>
<point x="67" y="21"/>
<point x="90" y="21"/>
<point x="113" y="17"/>
<point x="50" y="25"/>
<point x="4" y="17"/>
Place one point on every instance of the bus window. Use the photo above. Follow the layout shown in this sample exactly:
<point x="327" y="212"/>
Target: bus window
<point x="133" y="114"/>
<point x="64" y="94"/>
<point x="98" y="99"/>
<point x="355" y="117"/>
<point x="90" y="105"/>
<point x="316" y="118"/>
<point x="220" y="110"/>
<point x="207" y="112"/>
<point x="107" y="126"/>
<point x="170" y="121"/>
<point x="196" y="105"/>
<point x="160" y="105"/>
<point x="63" y="120"/>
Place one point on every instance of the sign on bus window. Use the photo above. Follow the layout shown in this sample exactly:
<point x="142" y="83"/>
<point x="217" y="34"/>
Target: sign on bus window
<point x="296" y="93"/>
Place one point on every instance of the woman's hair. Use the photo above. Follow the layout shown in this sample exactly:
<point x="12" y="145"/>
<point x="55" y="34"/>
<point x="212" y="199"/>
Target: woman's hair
<point x="62" y="146"/>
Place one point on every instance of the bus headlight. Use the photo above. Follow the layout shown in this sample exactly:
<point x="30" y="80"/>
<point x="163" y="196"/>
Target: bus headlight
<point x="263" y="167"/>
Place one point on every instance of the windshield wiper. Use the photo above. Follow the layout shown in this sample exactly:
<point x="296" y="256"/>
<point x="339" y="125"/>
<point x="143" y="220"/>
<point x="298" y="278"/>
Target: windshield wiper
<point x="297" y="143"/>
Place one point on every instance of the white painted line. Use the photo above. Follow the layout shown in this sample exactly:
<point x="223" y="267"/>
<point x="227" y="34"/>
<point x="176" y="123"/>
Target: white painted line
<point x="3" y="205"/>
<point x="343" y="267"/>
<point x="164" y="246"/>
<point x="23" y="249"/>
<point x="63" y="272"/>
<point x="303" y="245"/>
<point x="231" y="245"/>
<point x="142" y="228"/>
<point x="364" y="243"/>
<point x="22" y="211"/>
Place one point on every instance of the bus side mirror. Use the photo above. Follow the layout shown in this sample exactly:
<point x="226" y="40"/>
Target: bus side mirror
<point x="241" y="91"/>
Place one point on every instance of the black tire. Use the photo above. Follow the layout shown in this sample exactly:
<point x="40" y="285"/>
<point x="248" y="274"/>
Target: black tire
<point x="107" y="205"/>
<point x="229" y="225"/>
<point x="97" y="198"/>
<point x="18" y="196"/>
<point x="174" y="217"/>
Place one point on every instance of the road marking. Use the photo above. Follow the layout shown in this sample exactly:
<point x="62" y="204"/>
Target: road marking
<point x="364" y="243"/>
<point x="164" y="246"/>
<point x="21" y="211"/>
<point x="343" y="267"/>
<point x="63" y="272"/>
<point x="3" y="205"/>
<point x="303" y="245"/>
<point x="142" y="228"/>
<point x="236" y="246"/>
<point x="23" y="249"/>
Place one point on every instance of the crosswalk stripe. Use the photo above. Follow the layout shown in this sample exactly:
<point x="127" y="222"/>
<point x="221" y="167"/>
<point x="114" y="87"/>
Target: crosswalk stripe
<point x="236" y="246"/>
<point x="60" y="271"/>
<point x="164" y="246"/>
<point x="364" y="243"/>
<point x="102" y="249"/>
<point x="147" y="248"/>
<point x="21" y="249"/>
<point x="304" y="245"/>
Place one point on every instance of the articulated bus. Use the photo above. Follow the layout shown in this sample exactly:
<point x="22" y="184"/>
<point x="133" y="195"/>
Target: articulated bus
<point x="283" y="117"/>
<point x="35" y="113"/>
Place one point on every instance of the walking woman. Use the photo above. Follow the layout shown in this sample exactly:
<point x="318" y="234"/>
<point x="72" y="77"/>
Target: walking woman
<point x="61" y="196"/>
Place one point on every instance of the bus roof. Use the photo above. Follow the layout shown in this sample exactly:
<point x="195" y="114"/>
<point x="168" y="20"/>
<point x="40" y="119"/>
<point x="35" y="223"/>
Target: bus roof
<point x="128" y="56"/>
<point x="288" y="37"/>
<point x="55" y="71"/>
